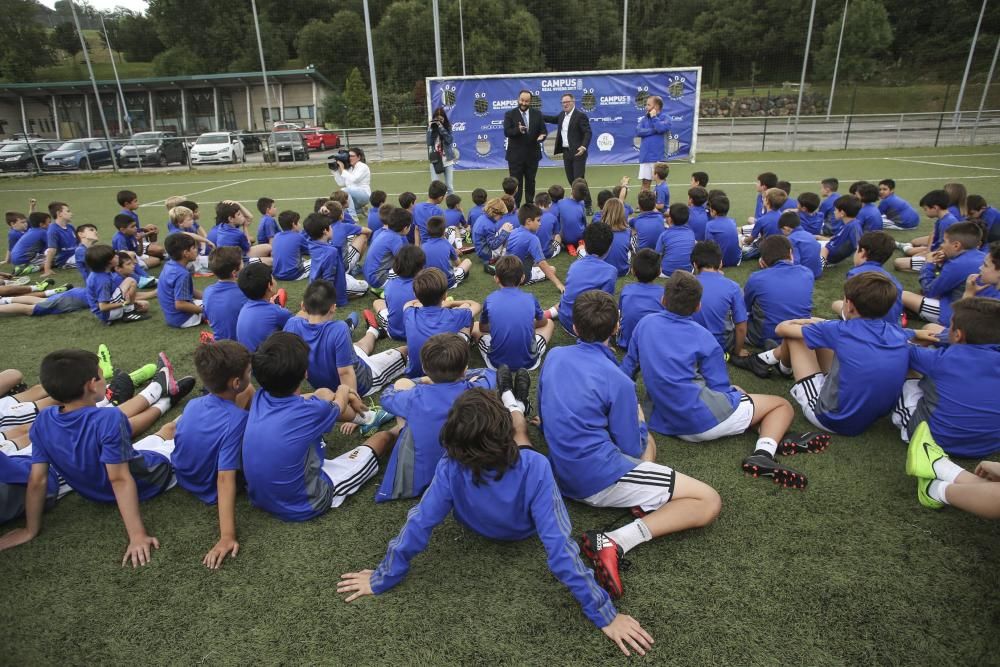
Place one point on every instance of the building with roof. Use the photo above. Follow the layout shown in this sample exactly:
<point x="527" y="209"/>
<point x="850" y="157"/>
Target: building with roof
<point x="187" y="105"/>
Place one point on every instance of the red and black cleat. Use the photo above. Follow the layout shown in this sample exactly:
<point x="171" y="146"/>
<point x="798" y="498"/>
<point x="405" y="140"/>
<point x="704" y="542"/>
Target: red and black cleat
<point x="606" y="557"/>
<point x="762" y="465"/>
<point x="811" y="442"/>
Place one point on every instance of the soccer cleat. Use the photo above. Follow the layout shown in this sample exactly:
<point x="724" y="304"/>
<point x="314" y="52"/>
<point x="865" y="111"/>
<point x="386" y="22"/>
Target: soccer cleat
<point x="17" y="282"/>
<point x="43" y="285"/>
<point x="62" y="288"/>
<point x="382" y="417"/>
<point x="754" y="364"/>
<point x="923" y="495"/>
<point x="379" y="292"/>
<point x="143" y="374"/>
<point x="166" y="370"/>
<point x="490" y="269"/>
<point x="17" y="389"/>
<point x="26" y="269"/>
<point x="466" y="249"/>
<point x="922" y="453"/>
<point x="522" y="389"/>
<point x="133" y="316"/>
<point x="810" y="442"/>
<point x="762" y="465"/>
<point x="184" y="387"/>
<point x="606" y="556"/>
<point x="571" y="249"/>
<point x="104" y="361"/>
<point x="280" y="297"/>
<point x="146" y="282"/>
<point x="353" y="320"/>
<point x="120" y="388"/>
<point x="206" y="337"/>
<point x="505" y="380"/>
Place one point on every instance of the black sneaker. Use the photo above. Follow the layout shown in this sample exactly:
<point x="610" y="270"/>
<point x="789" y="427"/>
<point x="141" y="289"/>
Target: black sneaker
<point x="134" y="316"/>
<point x="120" y="388"/>
<point x="522" y="389"/>
<point x="754" y="364"/>
<point x="763" y="465"/>
<point x="505" y="380"/>
<point x="17" y="389"/>
<point x="810" y="442"/>
<point x="184" y="387"/>
<point x="490" y="269"/>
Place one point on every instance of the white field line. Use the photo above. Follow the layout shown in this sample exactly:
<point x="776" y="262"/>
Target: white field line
<point x="941" y="164"/>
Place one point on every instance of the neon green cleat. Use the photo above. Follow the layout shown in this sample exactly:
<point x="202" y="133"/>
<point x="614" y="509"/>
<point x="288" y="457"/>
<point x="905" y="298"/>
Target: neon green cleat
<point x="62" y="288"/>
<point x="143" y="374"/>
<point x="922" y="453"/>
<point x="25" y="269"/>
<point x="104" y="361"/>
<point x="43" y="285"/>
<point x="923" y="485"/>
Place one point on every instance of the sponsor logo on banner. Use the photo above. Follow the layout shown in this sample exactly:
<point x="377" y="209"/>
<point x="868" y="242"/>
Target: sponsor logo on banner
<point x="504" y="105"/>
<point x="606" y="119"/>
<point x="458" y="126"/>
<point x="554" y="85"/>
<point x="448" y="95"/>
<point x="480" y="104"/>
<point x="494" y="124"/>
<point x="675" y="86"/>
<point x="588" y="101"/>
<point x="605" y="141"/>
<point x="673" y="144"/>
<point x="615" y="100"/>
<point x="483" y="145"/>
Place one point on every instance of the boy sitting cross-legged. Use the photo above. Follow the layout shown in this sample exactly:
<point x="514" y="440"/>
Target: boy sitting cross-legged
<point x="232" y="221"/>
<point x="599" y="448"/>
<point x="512" y="329"/>
<point x="111" y="303"/>
<point x="441" y="254"/>
<point x="502" y="489"/>
<point x="936" y="207"/>
<point x="422" y="407"/>
<point x="327" y="260"/>
<point x="874" y="250"/>
<point x="642" y="297"/>
<point x="288" y="247"/>
<point x="590" y="272"/>
<point x="676" y="242"/>
<point x="722" y="310"/>
<point x="648" y="223"/>
<point x="430" y="313"/>
<point x="180" y="301"/>
<point x="29" y="253"/>
<point x="260" y="316"/>
<point x="488" y="234"/>
<point x="385" y="246"/>
<point x="224" y="299"/>
<point x="386" y="315"/>
<point x="722" y="229"/>
<point x="351" y="238"/>
<point x="844" y="242"/>
<point x="805" y="247"/>
<point x="284" y="460"/>
<point x="524" y="244"/>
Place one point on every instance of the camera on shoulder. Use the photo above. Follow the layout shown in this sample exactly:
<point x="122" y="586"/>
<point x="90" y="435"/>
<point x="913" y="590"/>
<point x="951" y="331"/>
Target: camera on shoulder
<point x="342" y="156"/>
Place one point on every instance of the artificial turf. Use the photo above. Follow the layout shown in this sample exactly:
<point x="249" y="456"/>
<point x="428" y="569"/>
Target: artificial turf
<point x="851" y="570"/>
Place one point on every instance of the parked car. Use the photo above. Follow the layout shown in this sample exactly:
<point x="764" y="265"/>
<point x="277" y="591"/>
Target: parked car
<point x="251" y="142"/>
<point x="21" y="155"/>
<point x="216" y="147"/>
<point x="90" y="153"/>
<point x="288" y="146"/>
<point x="153" y="148"/>
<point x="320" y="139"/>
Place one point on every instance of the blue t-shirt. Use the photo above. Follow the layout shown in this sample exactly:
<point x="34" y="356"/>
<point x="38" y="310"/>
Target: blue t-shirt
<point x="100" y="289"/>
<point x="330" y="349"/>
<point x="548" y="227"/>
<point x="423" y="212"/>
<point x="174" y="284"/>
<point x="222" y="304"/>
<point x="899" y="211"/>
<point x="341" y="231"/>
<point x="511" y="314"/>
<point x="648" y="226"/>
<point x="374" y="220"/>
<point x="227" y="235"/>
<point x="766" y="225"/>
<point x="781" y="292"/>
<point x="662" y="192"/>
<point x="688" y="384"/>
<point x="380" y="255"/>
<point x="63" y="240"/>
<point x="287" y="248"/>
<point x="34" y="242"/>
<point x="805" y="250"/>
<point x="811" y="222"/>
<point x="422" y="323"/>
<point x="948" y="284"/>
<point x="940" y="225"/>
<point x="604" y="439"/>
<point x="257" y="321"/>
<point x="583" y="275"/>
<point x="398" y="293"/>
<point x="722" y="307"/>
<point x="485" y="237"/>
<point x="845" y="241"/>
<point x="620" y="254"/>
<point x="80" y="445"/>
<point x="723" y="231"/>
<point x="209" y="440"/>
<point x="636" y="301"/>
<point x="453" y="217"/>
<point x="283" y="454"/>
<point x="697" y="221"/>
<point x="474" y="214"/>
<point x="81" y="261"/>
<point x="870" y="365"/>
<point x="870" y="218"/>
<point x="572" y="218"/>
<point x="120" y="241"/>
<point x="440" y="255"/>
<point x="13" y="236"/>
<point x="328" y="264"/>
<point x="267" y="229"/>
<point x="896" y="312"/>
<point x="526" y="246"/>
<point x="675" y="246"/>
<point x="826" y="208"/>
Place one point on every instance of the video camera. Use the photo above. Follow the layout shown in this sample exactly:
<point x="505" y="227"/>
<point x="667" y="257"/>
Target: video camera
<point x="342" y="156"/>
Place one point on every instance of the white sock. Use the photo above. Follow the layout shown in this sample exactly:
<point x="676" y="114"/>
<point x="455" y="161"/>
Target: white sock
<point x="152" y="392"/>
<point x="631" y="535"/>
<point x="947" y="470"/>
<point x="937" y="489"/>
<point x="373" y="331"/>
<point x="364" y="418"/>
<point x="553" y="312"/>
<point x="907" y="247"/>
<point x="50" y="292"/>
<point x="766" y="445"/>
<point x="768" y="357"/>
<point x="787" y="370"/>
<point x="5" y="301"/>
<point x="510" y="402"/>
<point x="162" y="405"/>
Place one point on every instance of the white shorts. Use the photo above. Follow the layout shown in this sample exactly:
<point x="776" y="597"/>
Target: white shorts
<point x="536" y="276"/>
<point x="646" y="171"/>
<point x="349" y="471"/>
<point x="355" y="287"/>
<point x="648" y="485"/>
<point x="386" y="367"/>
<point x="917" y="262"/>
<point x="195" y="319"/>
<point x="905" y="407"/>
<point x="201" y="264"/>
<point x="806" y="393"/>
<point x="930" y="310"/>
<point x="165" y="448"/>
<point x="70" y="261"/>
<point x="142" y="261"/>
<point x="383" y="318"/>
<point x="554" y="249"/>
<point x="351" y="256"/>
<point x="538" y="350"/>
<point x="14" y="413"/>
<point x="734" y="424"/>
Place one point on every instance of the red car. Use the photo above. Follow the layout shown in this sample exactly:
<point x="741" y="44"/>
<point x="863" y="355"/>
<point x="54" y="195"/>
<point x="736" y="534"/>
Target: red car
<point x="319" y="139"/>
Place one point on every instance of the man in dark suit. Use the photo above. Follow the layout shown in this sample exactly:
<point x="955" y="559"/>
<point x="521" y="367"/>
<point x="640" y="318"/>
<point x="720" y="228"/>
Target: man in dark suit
<point x="525" y="130"/>
<point x="572" y="139"/>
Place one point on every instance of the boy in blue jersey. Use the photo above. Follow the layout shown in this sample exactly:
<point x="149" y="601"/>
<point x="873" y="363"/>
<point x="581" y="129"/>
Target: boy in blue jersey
<point x="284" y="462"/>
<point x="790" y="201"/>
<point x="209" y="437"/>
<point x="765" y="181"/>
<point x="60" y="239"/>
<point x="590" y="272"/>
<point x="351" y="238"/>
<point x="675" y="243"/>
<point x="454" y="220"/>
<point x="479" y="197"/>
<point x="642" y="297"/>
<point x="848" y="372"/>
<point x="959" y="409"/>
<point x="874" y="250"/>
<point x="987" y="216"/>
<point x="512" y="329"/>
<point x="600" y="450"/>
<point x="223" y="300"/>
<point x="692" y="397"/>
<point x="260" y="316"/>
<point x="622" y="238"/>
<point x="842" y="245"/>
<point x="422" y="408"/>
<point x="572" y="215"/>
<point x="936" y="207"/>
<point x="127" y="239"/>
<point x="782" y="291"/>
<point x="334" y="360"/>
<point x="129" y="201"/>
<point x="809" y="216"/>
<point x="386" y="315"/>
<point x="869" y="216"/>
<point x="722" y="230"/>
<point x="375" y="201"/>
<point x="232" y="222"/>
<point x="28" y="254"/>
<point x="697" y="212"/>
<point x="182" y="220"/>
<point x="765" y="224"/>
<point x="661" y="190"/>
<point x="649" y="223"/>
<point x="90" y="447"/>
<point x="385" y="246"/>
<point x="18" y="225"/>
<point x="828" y="189"/>
<point x="441" y="254"/>
<point x="86" y="236"/>
<point x="722" y="311"/>
<point x="430" y="314"/>
<point x="423" y="211"/>
<point x="943" y="277"/>
<point x="805" y="247"/>
<point x="524" y="244"/>
<point x="499" y="487"/>
<point x="288" y="247"/>
<point x="699" y="179"/>
<point x="488" y="235"/>
<point x="896" y="211"/>
<point x="548" y="232"/>
<point x="327" y="260"/>
<point x="108" y="301"/>
<point x="267" y="228"/>
<point x="180" y="302"/>
<point x="15" y="471"/>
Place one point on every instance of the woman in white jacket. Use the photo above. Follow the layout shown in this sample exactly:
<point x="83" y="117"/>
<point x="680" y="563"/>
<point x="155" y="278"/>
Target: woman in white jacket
<point x="356" y="180"/>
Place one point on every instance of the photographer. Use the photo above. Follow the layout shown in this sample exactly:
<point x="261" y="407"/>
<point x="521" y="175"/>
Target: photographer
<point x="355" y="178"/>
<point x="440" y="151"/>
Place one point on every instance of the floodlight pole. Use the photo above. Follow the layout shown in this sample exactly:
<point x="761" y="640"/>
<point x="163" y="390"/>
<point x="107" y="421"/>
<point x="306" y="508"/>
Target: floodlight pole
<point x="802" y="80"/>
<point x="263" y="69"/>
<point x="624" y="32"/>
<point x="968" y="65"/>
<point x="93" y="81"/>
<point x="836" y="62"/>
<point x="437" y="37"/>
<point x="114" y="68"/>
<point x="986" y="90"/>
<point x="461" y="34"/>
<point x="371" y="73"/>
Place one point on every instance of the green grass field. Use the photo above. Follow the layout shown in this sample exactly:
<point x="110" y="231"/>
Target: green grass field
<point x="851" y="570"/>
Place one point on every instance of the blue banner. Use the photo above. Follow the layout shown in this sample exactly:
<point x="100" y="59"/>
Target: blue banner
<point x="614" y="102"/>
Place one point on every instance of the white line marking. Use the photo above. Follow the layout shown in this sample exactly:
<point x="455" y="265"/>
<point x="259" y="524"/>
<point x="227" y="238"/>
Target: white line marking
<point x="942" y="164"/>
<point x="192" y="194"/>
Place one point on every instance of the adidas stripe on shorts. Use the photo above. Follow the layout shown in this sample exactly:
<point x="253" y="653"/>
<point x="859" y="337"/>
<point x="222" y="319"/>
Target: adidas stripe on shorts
<point x="648" y="485"/>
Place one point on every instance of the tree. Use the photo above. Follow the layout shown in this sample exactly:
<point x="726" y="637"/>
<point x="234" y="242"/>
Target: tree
<point x="358" y="99"/>
<point x="336" y="46"/>
<point x="404" y="44"/>
<point x="867" y="38"/>
<point x="24" y="46"/>
<point x="132" y="34"/>
<point x="64" y="37"/>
